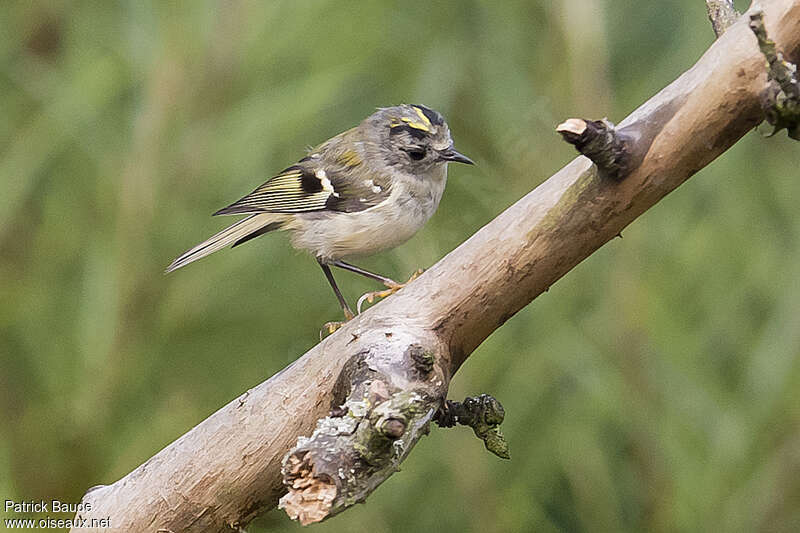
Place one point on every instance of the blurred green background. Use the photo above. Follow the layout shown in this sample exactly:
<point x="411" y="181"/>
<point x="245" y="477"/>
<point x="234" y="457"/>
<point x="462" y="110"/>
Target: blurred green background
<point x="656" y="387"/>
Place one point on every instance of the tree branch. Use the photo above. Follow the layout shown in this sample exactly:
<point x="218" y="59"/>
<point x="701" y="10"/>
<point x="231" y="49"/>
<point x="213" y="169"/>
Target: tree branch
<point x="372" y="388"/>
<point x="483" y="414"/>
<point x="782" y="101"/>
<point x="600" y="141"/>
<point x="722" y="15"/>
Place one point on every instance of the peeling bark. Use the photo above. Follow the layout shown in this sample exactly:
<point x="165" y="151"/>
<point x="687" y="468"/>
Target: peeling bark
<point x="389" y="406"/>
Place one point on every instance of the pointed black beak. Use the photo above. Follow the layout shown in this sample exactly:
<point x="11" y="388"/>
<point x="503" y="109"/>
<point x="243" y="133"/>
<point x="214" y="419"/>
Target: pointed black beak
<point x="450" y="154"/>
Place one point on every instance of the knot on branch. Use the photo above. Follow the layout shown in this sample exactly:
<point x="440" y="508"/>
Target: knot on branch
<point x="351" y="453"/>
<point x="483" y="414"/>
<point x="423" y="360"/>
<point x="600" y="141"/>
<point x="782" y="100"/>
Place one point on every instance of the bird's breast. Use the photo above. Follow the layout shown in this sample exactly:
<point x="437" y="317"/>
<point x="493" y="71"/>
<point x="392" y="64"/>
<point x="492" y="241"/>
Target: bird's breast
<point x="336" y="235"/>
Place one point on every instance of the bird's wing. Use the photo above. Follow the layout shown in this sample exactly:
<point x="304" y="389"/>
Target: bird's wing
<point x="335" y="183"/>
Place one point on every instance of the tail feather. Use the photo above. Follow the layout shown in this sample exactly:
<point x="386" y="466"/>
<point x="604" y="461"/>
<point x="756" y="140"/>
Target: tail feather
<point x="241" y="231"/>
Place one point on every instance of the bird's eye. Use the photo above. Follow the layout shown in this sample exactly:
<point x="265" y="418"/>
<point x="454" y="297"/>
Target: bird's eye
<point x="417" y="154"/>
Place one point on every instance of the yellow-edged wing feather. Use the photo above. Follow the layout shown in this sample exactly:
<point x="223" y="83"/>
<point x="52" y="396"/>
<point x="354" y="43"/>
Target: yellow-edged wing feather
<point x="332" y="177"/>
<point x="295" y="190"/>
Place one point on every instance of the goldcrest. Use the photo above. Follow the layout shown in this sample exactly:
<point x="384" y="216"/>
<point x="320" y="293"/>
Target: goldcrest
<point x="367" y="189"/>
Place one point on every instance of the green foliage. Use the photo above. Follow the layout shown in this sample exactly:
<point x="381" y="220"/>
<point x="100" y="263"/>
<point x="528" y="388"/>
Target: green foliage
<point x="654" y="388"/>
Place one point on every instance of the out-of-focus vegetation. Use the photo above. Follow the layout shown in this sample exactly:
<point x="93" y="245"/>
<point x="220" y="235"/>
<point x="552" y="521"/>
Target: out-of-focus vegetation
<point x="656" y="387"/>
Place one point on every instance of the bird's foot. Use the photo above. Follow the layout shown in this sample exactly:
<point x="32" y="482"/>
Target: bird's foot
<point x="392" y="288"/>
<point x="330" y="327"/>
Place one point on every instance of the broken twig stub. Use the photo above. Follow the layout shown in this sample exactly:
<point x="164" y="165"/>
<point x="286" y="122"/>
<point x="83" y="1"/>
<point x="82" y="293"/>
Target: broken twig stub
<point x="600" y="141"/>
<point x="483" y="414"/>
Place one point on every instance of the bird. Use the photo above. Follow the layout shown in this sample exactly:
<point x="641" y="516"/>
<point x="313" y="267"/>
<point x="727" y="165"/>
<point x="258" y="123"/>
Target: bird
<point x="366" y="190"/>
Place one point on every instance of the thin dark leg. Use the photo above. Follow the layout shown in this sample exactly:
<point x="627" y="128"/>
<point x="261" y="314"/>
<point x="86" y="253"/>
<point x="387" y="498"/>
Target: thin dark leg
<point x="348" y="313"/>
<point x="371" y="275"/>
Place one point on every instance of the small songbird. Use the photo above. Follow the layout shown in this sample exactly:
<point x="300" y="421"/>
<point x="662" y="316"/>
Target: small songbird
<point x="366" y="190"/>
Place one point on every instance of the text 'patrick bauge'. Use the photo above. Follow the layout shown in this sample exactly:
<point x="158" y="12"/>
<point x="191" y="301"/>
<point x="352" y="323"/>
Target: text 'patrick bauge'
<point x="41" y="506"/>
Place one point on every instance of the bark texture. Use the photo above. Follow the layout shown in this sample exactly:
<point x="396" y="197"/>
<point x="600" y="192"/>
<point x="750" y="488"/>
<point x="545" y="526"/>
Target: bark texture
<point x="782" y="102"/>
<point x="380" y="397"/>
<point x="722" y="15"/>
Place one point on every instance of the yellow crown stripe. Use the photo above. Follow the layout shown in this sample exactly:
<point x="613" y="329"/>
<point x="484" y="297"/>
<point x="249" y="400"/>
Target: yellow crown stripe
<point x="422" y="116"/>
<point x="416" y="125"/>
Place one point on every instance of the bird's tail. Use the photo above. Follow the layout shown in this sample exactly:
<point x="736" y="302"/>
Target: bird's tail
<point x="236" y="234"/>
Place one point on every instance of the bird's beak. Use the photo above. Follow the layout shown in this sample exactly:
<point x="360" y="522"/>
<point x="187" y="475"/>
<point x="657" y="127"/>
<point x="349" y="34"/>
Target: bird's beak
<point x="450" y="154"/>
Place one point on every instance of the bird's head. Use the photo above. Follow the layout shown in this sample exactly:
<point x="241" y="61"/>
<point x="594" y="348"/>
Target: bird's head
<point x="413" y="138"/>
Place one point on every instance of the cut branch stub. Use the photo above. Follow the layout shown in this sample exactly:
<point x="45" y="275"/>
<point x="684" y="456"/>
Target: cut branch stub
<point x="782" y="100"/>
<point x="483" y="414"/>
<point x="601" y="142"/>
<point x="392" y="399"/>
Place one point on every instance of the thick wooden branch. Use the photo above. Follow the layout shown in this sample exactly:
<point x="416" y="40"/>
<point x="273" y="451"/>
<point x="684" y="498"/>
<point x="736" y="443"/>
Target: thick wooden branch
<point x="372" y="388"/>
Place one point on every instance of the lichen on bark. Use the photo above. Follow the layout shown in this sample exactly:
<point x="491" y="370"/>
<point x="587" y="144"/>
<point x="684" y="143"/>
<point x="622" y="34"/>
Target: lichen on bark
<point x="782" y="100"/>
<point x="387" y="403"/>
<point x="722" y="15"/>
<point x="483" y="414"/>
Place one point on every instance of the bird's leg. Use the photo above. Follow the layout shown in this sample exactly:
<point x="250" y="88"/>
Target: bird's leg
<point x="348" y="313"/>
<point x="366" y="273"/>
<point x="391" y="285"/>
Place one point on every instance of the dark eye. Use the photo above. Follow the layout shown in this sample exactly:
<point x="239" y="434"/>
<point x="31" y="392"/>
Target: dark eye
<point x="417" y="154"/>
